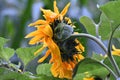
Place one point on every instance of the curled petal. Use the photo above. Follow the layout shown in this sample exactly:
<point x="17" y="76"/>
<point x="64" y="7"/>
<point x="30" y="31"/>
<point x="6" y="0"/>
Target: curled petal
<point x="55" y="8"/>
<point x="39" y="50"/>
<point x="64" y="11"/>
<point x="34" y="33"/>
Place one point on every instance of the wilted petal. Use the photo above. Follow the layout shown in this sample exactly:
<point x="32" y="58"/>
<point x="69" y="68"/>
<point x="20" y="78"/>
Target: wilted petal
<point x="45" y="56"/>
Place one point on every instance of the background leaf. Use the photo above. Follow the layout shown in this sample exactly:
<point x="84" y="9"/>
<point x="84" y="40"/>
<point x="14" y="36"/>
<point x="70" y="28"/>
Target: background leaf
<point x="92" y="67"/>
<point x="5" y="53"/>
<point x="107" y="62"/>
<point x="110" y="19"/>
<point x="2" y="41"/>
<point x="111" y="9"/>
<point x="27" y="54"/>
<point x="6" y="74"/>
<point x="97" y="57"/>
<point x="43" y="70"/>
<point x="104" y="27"/>
<point x="89" y="25"/>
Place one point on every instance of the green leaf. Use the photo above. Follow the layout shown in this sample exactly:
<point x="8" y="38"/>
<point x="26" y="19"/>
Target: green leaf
<point x="2" y="41"/>
<point x="5" y="53"/>
<point x="110" y="18"/>
<point x="44" y="69"/>
<point x="6" y="74"/>
<point x="117" y="33"/>
<point x="89" y="25"/>
<point x="104" y="27"/>
<point x="97" y="57"/>
<point x="27" y="54"/>
<point x="110" y="10"/>
<point x="117" y="59"/>
<point x="91" y="66"/>
<point x="107" y="62"/>
<point x="44" y="77"/>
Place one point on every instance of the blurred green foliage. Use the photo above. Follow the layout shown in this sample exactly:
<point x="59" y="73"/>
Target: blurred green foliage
<point x="97" y="25"/>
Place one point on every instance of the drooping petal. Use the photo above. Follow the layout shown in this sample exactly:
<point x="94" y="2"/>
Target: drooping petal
<point x="44" y="57"/>
<point x="55" y="52"/>
<point x="55" y="8"/>
<point x="32" y="34"/>
<point x="48" y="31"/>
<point x="36" y="39"/>
<point x="61" y="71"/>
<point x="39" y="50"/>
<point x="64" y="11"/>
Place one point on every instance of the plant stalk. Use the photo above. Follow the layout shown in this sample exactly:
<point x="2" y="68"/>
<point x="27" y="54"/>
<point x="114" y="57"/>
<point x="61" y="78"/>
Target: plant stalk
<point x="98" y="41"/>
<point x="111" y="58"/>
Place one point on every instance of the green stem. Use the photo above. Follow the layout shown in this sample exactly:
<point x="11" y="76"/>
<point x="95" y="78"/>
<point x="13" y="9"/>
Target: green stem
<point x="93" y="38"/>
<point x="111" y="58"/>
<point x="98" y="41"/>
<point x="109" y="69"/>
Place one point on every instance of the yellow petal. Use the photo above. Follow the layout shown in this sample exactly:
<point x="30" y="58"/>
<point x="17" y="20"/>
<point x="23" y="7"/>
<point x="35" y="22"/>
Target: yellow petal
<point x="48" y="31"/>
<point x="44" y="57"/>
<point x="68" y="20"/>
<point x="49" y="15"/>
<point x="90" y="78"/>
<point x="115" y="51"/>
<point x="64" y="11"/>
<point x="55" y="52"/>
<point x="39" y="50"/>
<point x="38" y="22"/>
<point x="113" y="47"/>
<point x="79" y="47"/>
<point x="36" y="39"/>
<point x="61" y="71"/>
<point x="55" y="8"/>
<point x="32" y="34"/>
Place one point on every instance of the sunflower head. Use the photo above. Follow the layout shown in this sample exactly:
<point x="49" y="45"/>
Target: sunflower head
<point x="54" y="33"/>
<point x="63" y="31"/>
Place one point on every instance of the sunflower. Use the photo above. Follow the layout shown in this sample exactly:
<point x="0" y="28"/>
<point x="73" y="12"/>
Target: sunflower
<point x="54" y="33"/>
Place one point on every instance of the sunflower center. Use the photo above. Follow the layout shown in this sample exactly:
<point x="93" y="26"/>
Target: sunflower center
<point x="62" y="31"/>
